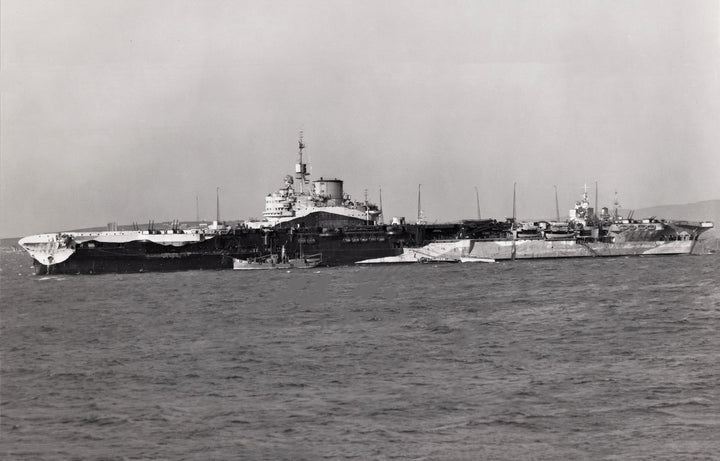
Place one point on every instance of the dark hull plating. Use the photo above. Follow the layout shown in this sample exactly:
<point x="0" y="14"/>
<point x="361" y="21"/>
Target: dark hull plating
<point x="341" y="248"/>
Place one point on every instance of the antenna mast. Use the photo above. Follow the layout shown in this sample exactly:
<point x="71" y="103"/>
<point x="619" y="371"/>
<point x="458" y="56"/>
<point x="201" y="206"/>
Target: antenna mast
<point x="513" y="250"/>
<point x="557" y="207"/>
<point x="419" y="217"/>
<point x="514" y="187"/>
<point x="616" y="203"/>
<point x="300" y="167"/>
<point x="477" y="200"/>
<point x="217" y="199"/>
<point x="382" y="218"/>
<point x="596" y="199"/>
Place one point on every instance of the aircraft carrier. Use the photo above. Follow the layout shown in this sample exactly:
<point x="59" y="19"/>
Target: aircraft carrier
<point x="319" y="218"/>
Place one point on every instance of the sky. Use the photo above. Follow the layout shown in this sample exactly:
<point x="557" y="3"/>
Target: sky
<point x="129" y="111"/>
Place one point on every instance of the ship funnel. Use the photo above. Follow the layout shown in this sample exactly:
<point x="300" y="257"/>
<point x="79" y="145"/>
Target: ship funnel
<point x="330" y="189"/>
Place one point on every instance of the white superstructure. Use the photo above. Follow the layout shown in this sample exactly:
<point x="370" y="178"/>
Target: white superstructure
<point x="326" y="195"/>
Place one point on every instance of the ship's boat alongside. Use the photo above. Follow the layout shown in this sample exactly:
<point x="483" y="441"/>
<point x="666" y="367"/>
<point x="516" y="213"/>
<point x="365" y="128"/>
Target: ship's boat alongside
<point x="281" y="261"/>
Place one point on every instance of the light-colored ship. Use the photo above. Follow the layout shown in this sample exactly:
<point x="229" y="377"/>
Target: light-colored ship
<point x="584" y="234"/>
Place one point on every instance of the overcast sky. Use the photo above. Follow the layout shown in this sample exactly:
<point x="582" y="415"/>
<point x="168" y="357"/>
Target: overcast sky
<point x="127" y="110"/>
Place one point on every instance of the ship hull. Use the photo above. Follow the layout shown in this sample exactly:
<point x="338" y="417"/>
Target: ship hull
<point x="506" y="249"/>
<point x="143" y="251"/>
<point x="93" y="264"/>
<point x="218" y="253"/>
<point x="542" y="249"/>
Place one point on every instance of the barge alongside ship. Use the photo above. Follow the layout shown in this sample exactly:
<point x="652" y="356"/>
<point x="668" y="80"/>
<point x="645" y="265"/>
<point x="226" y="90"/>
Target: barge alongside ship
<point x="324" y="220"/>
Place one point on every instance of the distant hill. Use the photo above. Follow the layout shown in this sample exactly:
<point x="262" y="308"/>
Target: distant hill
<point x="9" y="243"/>
<point x="708" y="210"/>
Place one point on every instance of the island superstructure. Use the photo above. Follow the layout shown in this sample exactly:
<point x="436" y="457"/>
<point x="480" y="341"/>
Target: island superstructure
<point x="326" y="196"/>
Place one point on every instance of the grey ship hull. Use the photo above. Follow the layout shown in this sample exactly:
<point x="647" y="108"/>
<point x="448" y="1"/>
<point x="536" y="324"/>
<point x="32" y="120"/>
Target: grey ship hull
<point x="571" y="248"/>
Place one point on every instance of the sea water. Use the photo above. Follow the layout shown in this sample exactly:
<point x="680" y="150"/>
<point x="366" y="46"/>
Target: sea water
<point x="559" y="359"/>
